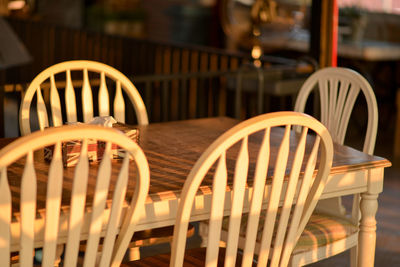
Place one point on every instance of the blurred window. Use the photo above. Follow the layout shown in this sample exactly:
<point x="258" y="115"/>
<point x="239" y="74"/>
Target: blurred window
<point x="388" y="6"/>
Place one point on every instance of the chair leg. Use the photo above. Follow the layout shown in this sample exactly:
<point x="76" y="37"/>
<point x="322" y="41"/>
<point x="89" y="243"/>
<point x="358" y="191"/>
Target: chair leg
<point x="353" y="256"/>
<point x="59" y="252"/>
<point x="134" y="253"/>
<point x="203" y="232"/>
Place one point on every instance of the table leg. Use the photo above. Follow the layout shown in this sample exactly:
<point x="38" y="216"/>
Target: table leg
<point x="367" y="235"/>
<point x="369" y="207"/>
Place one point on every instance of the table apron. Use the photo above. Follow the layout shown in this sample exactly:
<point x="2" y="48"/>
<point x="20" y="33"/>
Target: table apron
<point x="162" y="212"/>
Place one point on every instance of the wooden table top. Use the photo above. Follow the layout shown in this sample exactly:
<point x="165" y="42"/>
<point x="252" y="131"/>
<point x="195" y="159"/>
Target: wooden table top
<point x="172" y="149"/>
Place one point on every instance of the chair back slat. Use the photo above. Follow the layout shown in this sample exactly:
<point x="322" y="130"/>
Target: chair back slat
<point x="282" y="190"/>
<point x="77" y="206"/>
<point x="238" y="194"/>
<point x="299" y="218"/>
<point x="341" y="100"/>
<point x="41" y="110"/>
<point x="119" y="104"/>
<point x="28" y="211"/>
<point x="333" y="95"/>
<point x="275" y="194"/>
<point x="116" y="208"/>
<point x="290" y="192"/>
<point x="55" y="103"/>
<point x="134" y="211"/>
<point x="53" y="204"/>
<point x="87" y="97"/>
<point x="70" y="100"/>
<point x="256" y="199"/>
<point x="5" y="217"/>
<point x="104" y="100"/>
<point x="99" y="201"/>
<point x="351" y="99"/>
<point x="323" y="94"/>
<point x="309" y="182"/>
<point x="217" y="209"/>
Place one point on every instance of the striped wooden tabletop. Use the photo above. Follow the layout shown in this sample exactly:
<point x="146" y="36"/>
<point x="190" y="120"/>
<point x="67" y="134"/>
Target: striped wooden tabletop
<point x="172" y="148"/>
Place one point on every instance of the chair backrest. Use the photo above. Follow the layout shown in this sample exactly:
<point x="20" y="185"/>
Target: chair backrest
<point x="84" y="217"/>
<point x="105" y="72"/>
<point x="295" y="193"/>
<point x="338" y="91"/>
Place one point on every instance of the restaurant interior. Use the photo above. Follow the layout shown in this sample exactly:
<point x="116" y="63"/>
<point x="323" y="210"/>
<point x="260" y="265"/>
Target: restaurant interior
<point x="227" y="60"/>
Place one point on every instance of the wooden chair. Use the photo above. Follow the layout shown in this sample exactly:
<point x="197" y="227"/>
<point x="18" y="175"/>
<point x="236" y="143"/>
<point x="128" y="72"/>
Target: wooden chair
<point x="52" y="178"/>
<point x="293" y="194"/>
<point x="338" y="90"/>
<point x="105" y="72"/>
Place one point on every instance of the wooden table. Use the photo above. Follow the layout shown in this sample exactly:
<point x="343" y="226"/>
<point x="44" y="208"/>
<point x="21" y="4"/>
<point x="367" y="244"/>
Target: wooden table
<point x="172" y="149"/>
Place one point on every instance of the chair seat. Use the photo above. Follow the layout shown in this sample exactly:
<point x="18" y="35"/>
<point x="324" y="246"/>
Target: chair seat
<point x="193" y="258"/>
<point x="320" y="230"/>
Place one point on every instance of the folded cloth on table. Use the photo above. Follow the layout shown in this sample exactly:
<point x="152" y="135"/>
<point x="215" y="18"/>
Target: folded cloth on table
<point x="71" y="149"/>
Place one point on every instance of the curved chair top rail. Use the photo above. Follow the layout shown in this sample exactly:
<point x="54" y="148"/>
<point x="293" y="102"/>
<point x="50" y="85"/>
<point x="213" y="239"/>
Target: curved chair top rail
<point x="84" y="65"/>
<point x="339" y="88"/>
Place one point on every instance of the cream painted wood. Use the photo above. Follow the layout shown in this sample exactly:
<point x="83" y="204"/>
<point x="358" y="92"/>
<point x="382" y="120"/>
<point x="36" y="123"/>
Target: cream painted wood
<point x="289" y="202"/>
<point x="77" y="207"/>
<point x="41" y="109"/>
<point x="104" y="100"/>
<point x="84" y="66"/>
<point x="119" y="104"/>
<point x="28" y="211"/>
<point x="53" y="203"/>
<point x="117" y="202"/>
<point x="70" y="103"/>
<point x="311" y="187"/>
<point x="338" y="90"/>
<point x="320" y="252"/>
<point x="87" y="97"/>
<point x="5" y="218"/>
<point x="98" y="204"/>
<point x="55" y="103"/>
<point x="216" y="214"/>
<point x="114" y="246"/>
<point x="369" y="206"/>
<point x="237" y="201"/>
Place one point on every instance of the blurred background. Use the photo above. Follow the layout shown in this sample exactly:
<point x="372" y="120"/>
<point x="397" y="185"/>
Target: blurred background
<point x="200" y="43"/>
